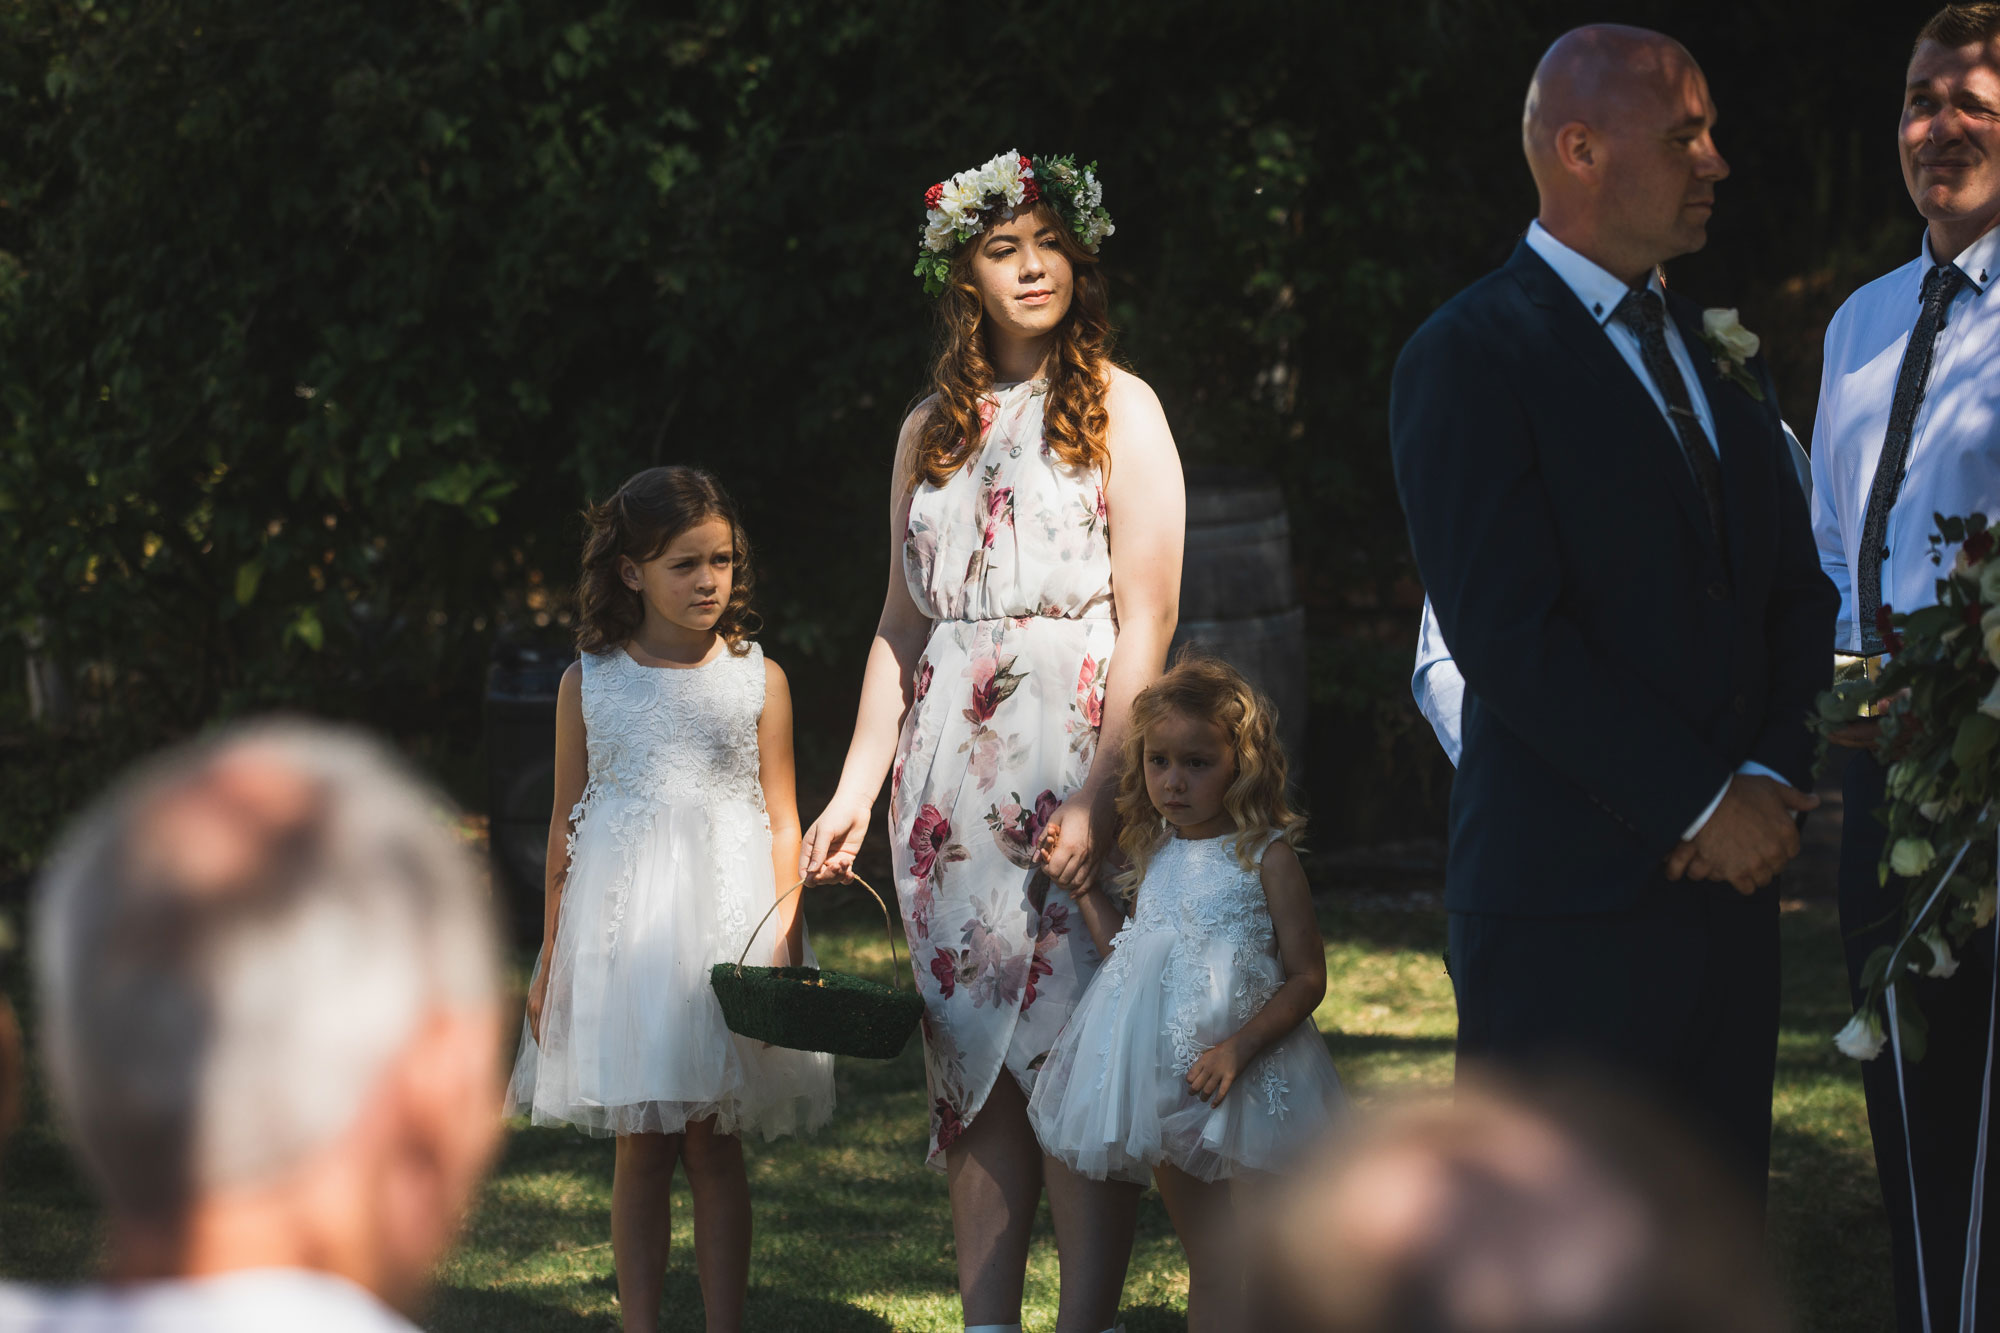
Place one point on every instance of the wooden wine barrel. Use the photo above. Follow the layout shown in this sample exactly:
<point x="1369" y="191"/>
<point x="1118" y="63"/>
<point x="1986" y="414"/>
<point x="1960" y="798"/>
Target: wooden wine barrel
<point x="1238" y="598"/>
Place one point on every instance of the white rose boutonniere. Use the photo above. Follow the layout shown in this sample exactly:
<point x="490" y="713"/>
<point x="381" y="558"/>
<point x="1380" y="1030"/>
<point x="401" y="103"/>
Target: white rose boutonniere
<point x="1732" y="346"/>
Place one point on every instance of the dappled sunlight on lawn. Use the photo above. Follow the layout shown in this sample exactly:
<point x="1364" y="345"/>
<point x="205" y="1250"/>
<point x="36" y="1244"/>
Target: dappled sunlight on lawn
<point x="854" y="1234"/>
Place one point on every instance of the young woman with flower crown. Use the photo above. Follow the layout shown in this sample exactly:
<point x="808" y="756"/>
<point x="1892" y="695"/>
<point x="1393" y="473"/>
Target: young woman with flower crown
<point x="1035" y="479"/>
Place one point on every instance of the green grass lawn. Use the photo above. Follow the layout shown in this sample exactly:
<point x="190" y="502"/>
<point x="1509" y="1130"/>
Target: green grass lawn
<point x="853" y="1232"/>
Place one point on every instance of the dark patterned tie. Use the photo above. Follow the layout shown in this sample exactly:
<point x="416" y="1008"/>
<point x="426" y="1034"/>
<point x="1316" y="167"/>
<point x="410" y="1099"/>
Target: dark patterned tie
<point x="1645" y="314"/>
<point x="1940" y="285"/>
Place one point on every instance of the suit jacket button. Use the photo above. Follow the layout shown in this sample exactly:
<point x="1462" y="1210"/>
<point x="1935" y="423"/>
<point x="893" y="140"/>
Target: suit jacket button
<point x="1741" y="704"/>
<point x="1718" y="590"/>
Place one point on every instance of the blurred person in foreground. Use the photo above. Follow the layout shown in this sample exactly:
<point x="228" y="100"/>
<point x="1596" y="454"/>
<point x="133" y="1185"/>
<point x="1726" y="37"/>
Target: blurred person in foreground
<point x="269" y="1004"/>
<point x="1548" y="1207"/>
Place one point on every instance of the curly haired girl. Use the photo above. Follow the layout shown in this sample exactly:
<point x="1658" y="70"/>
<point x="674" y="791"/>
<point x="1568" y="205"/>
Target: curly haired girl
<point x="1208" y="988"/>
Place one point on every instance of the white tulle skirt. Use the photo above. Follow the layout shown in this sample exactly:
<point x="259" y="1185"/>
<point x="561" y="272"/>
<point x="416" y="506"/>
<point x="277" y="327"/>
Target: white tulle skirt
<point x="633" y="1040"/>
<point x="1112" y="1101"/>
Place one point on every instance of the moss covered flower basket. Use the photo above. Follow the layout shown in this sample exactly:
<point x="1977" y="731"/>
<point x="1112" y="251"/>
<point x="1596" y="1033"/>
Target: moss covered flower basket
<point x="817" y="1009"/>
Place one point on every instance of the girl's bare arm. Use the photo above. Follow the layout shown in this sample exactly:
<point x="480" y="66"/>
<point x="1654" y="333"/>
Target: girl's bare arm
<point x="572" y="775"/>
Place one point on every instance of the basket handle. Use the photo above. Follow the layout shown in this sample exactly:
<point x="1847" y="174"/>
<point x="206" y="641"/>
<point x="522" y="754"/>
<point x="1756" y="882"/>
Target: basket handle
<point x="895" y="966"/>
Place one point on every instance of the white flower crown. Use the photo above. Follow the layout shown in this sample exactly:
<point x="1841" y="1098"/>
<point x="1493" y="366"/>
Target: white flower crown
<point x="957" y="208"/>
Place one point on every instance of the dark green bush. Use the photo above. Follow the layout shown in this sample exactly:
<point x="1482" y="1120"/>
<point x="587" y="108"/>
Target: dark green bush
<point x="320" y="318"/>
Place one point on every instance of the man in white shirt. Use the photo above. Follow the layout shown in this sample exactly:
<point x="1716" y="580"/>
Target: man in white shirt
<point x="269" y="995"/>
<point x="1909" y="427"/>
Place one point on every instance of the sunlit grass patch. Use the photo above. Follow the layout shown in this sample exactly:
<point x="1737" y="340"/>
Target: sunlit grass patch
<point x="853" y="1233"/>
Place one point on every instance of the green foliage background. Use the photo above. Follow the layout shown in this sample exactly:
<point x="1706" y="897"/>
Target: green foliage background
<point x="319" y="319"/>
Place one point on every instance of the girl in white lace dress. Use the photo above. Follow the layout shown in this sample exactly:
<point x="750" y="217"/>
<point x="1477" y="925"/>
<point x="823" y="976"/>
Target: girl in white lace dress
<point x="674" y="822"/>
<point x="1192" y="1057"/>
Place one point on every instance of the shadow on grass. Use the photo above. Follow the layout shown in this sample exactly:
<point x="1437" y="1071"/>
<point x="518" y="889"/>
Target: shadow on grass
<point x="1375" y="1043"/>
<point x="769" y="1311"/>
<point x="457" y="1308"/>
<point x="1153" y="1319"/>
<point x="1829" y="1234"/>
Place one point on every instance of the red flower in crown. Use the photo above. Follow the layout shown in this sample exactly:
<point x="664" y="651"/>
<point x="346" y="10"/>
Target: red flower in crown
<point x="1031" y="190"/>
<point x="1979" y="545"/>
<point x="933" y="195"/>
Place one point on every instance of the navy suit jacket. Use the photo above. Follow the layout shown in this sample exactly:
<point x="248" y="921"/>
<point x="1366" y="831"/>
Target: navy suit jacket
<point x="1617" y="671"/>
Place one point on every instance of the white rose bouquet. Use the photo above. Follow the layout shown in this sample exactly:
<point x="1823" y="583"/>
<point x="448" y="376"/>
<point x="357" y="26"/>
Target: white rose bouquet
<point x="1938" y="700"/>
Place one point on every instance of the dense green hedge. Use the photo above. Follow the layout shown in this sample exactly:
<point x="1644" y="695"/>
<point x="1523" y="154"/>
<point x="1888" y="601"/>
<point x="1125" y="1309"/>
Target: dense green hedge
<point x="320" y="318"/>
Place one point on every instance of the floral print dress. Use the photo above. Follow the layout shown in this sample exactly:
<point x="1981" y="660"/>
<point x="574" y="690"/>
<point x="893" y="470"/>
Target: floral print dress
<point x="1011" y="560"/>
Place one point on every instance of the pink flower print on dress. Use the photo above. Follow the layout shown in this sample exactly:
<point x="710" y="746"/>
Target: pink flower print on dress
<point x="1038" y="966"/>
<point x="999" y="514"/>
<point x="991" y="972"/>
<point x="984" y="765"/>
<point x="949" y="1123"/>
<point x="920" y="543"/>
<point x="993" y="684"/>
<point x="924" y="674"/>
<point x="1055" y="924"/>
<point x="931" y="845"/>
<point x="1017" y="831"/>
<point x="922" y="903"/>
<point x="944" y="967"/>
<point x="1090" y="692"/>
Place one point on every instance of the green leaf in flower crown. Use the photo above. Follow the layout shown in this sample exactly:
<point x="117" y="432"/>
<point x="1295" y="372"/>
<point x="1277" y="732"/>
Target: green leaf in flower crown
<point x="1976" y="736"/>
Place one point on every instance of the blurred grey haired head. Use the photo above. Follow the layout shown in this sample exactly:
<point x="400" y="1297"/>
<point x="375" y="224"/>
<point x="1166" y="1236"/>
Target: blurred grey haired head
<point x="234" y="943"/>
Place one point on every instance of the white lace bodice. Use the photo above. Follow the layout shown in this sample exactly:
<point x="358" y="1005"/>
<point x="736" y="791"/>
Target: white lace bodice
<point x="1197" y="888"/>
<point x="668" y="735"/>
<point x="1224" y="944"/>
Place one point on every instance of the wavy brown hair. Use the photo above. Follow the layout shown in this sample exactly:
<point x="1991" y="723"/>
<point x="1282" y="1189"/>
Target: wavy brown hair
<point x="1209" y="690"/>
<point x="1074" y="419"/>
<point x="639" y="522"/>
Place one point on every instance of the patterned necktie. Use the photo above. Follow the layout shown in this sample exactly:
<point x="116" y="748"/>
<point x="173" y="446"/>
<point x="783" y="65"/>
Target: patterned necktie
<point x="1940" y="285"/>
<point x="1645" y="314"/>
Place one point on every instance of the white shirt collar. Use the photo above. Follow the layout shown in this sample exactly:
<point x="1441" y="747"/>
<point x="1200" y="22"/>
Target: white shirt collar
<point x="1599" y="290"/>
<point x="1979" y="262"/>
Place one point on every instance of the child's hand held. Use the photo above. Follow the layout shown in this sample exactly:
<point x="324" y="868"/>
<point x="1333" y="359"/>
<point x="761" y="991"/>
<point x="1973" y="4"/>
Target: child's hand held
<point x="1066" y="851"/>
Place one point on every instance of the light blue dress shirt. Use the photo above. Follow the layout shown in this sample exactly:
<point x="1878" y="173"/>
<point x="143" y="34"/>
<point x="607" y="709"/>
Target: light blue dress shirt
<point x="1436" y="683"/>
<point x="1953" y="467"/>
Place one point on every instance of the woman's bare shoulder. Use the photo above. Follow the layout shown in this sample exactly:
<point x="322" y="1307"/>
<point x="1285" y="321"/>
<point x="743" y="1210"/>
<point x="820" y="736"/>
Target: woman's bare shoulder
<point x="1124" y="389"/>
